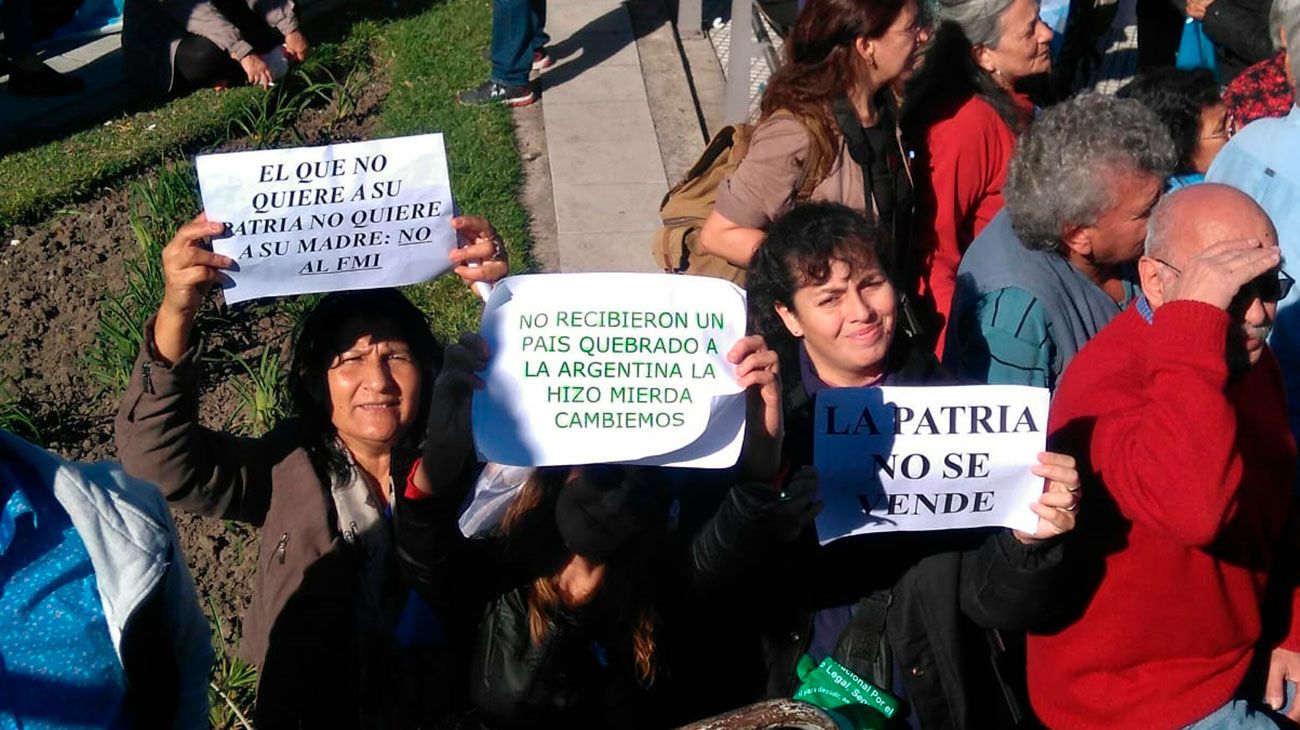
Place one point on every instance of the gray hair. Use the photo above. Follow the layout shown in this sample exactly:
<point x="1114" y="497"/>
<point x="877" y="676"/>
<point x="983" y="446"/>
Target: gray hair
<point x="979" y="20"/>
<point x="1284" y="18"/>
<point x="1160" y="227"/>
<point x="1064" y="164"/>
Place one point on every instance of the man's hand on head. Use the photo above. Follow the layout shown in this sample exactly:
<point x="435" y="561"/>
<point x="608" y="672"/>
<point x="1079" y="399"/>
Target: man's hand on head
<point x="1215" y="275"/>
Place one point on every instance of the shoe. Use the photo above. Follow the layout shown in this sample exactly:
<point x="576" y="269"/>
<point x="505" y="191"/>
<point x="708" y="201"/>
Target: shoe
<point x="541" y="59"/>
<point x="490" y="92"/>
<point x="45" y="82"/>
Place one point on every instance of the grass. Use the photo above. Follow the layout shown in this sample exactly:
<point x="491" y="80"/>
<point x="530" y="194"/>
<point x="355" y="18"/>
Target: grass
<point x="232" y="684"/>
<point x="263" y="399"/>
<point x="432" y="56"/>
<point x="13" y="415"/>
<point x="158" y="205"/>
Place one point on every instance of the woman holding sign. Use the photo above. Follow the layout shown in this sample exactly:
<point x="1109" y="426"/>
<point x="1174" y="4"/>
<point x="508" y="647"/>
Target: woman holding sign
<point x="900" y="610"/>
<point x="326" y="603"/>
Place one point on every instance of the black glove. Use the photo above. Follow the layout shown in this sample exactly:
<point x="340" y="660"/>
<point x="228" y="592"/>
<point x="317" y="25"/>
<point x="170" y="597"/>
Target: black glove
<point x="450" y="464"/>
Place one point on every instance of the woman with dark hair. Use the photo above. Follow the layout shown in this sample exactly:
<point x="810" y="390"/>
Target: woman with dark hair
<point x="911" y="624"/>
<point x="326" y="601"/>
<point x="1188" y="103"/>
<point x="566" y="609"/>
<point x="827" y="127"/>
<point x="963" y="111"/>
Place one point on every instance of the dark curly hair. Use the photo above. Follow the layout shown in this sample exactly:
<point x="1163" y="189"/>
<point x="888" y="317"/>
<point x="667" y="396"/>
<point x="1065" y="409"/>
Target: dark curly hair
<point x="798" y="251"/>
<point x="1177" y="96"/>
<point x="820" y="61"/>
<point x="314" y="349"/>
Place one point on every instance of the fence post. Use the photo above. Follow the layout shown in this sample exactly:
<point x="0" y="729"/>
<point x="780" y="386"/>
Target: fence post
<point x="743" y="49"/>
<point x="690" y="18"/>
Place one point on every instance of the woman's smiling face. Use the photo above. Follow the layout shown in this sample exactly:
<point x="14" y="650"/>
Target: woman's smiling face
<point x="846" y="323"/>
<point x="374" y="385"/>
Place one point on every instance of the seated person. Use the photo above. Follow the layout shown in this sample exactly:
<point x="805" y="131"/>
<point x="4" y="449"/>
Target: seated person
<point x="176" y="46"/>
<point x="1188" y="103"/>
<point x="99" y="623"/>
<point x="28" y="75"/>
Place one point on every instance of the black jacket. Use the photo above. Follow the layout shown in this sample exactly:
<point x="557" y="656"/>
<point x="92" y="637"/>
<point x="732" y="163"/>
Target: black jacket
<point x="932" y="592"/>
<point x="1239" y="29"/>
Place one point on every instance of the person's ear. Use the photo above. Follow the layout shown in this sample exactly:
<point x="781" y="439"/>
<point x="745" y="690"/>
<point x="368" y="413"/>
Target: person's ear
<point x="1076" y="238"/>
<point x="983" y="58"/>
<point x="1153" y="286"/>
<point x="866" y="50"/>
<point x="789" y="319"/>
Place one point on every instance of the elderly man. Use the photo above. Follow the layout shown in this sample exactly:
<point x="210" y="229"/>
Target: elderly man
<point x="1175" y="412"/>
<point x="1263" y="161"/>
<point x="1055" y="265"/>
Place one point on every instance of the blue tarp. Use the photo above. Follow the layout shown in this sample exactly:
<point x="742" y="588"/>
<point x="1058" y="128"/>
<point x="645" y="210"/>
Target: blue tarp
<point x="94" y="17"/>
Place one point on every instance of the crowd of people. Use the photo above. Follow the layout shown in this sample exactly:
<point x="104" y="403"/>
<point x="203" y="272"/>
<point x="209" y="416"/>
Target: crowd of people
<point x="908" y="212"/>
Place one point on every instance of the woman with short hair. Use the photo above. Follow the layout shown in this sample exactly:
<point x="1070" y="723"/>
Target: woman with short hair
<point x="1188" y="102"/>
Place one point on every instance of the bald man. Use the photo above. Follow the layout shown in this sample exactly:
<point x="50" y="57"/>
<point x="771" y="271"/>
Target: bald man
<point x="1176" y="413"/>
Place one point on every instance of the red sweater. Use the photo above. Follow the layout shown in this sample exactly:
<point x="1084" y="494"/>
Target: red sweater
<point x="1200" y="473"/>
<point x="964" y="164"/>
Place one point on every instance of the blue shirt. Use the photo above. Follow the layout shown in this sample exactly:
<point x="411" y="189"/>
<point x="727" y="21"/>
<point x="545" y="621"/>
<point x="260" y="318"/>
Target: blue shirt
<point x="1263" y="161"/>
<point x="58" y="666"/>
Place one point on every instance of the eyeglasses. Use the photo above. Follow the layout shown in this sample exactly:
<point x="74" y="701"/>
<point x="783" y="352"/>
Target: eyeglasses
<point x="1269" y="287"/>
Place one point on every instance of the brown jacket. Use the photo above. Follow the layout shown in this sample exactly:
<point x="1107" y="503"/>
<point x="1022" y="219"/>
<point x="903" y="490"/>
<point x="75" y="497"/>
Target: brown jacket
<point x="300" y="628"/>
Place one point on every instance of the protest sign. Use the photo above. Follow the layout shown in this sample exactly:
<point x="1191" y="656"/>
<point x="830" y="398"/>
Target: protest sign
<point x="900" y="458"/>
<point x="621" y="368"/>
<point x="348" y="216"/>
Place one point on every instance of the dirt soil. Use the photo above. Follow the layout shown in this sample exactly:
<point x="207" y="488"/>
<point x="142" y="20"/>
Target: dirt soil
<point x="52" y="282"/>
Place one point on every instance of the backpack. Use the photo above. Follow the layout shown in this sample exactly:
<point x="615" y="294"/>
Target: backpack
<point x="688" y="204"/>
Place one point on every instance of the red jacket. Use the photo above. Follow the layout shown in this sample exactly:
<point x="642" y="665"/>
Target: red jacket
<point x="1187" y="484"/>
<point x="963" y="165"/>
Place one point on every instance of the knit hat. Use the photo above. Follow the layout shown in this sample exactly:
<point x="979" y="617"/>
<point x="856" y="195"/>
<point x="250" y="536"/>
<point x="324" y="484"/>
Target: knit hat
<point x="606" y="508"/>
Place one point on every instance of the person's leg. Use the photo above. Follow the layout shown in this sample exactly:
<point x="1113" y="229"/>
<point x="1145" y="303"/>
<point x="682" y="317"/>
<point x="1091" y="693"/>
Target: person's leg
<point x="512" y="44"/>
<point x="541" y="39"/>
<point x="511" y="54"/>
<point x="1237" y="715"/>
<point x="200" y="64"/>
<point x="28" y="75"/>
<point x="16" y="22"/>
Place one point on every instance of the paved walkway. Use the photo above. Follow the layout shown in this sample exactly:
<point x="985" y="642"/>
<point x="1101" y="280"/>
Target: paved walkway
<point x="97" y="61"/>
<point x="606" y="169"/>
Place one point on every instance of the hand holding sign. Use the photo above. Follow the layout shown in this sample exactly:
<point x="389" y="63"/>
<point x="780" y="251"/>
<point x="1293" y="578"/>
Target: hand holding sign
<point x="758" y="373"/>
<point x="1056" y="508"/>
<point x="189" y="271"/>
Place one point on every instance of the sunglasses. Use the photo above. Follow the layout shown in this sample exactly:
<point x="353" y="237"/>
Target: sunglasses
<point x="1271" y="286"/>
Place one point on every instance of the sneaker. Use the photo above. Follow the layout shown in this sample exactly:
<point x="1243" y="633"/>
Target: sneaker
<point x="45" y="82"/>
<point x="541" y="59"/>
<point x="490" y="92"/>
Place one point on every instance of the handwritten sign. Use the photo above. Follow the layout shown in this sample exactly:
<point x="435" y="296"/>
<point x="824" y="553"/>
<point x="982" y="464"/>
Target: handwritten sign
<point x="348" y="216"/>
<point x="626" y="368"/>
<point x="899" y="458"/>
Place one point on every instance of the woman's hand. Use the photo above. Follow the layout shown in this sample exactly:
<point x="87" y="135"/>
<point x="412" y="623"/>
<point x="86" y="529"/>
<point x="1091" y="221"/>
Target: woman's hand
<point x="758" y="373"/>
<point x="258" y="73"/>
<point x="189" y="271"/>
<point x="478" y="241"/>
<point x="295" y="46"/>
<point x="449" y="439"/>
<point x="1056" y="507"/>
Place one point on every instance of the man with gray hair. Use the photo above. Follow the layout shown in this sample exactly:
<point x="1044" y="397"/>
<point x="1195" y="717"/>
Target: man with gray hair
<point x="1056" y="265"/>
<point x="1175" y="413"/>
<point x="1263" y="161"/>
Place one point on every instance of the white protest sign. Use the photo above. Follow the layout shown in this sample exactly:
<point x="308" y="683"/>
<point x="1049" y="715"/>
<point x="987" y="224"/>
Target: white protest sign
<point x="904" y="458"/>
<point x="627" y="368"/>
<point x="348" y="216"/>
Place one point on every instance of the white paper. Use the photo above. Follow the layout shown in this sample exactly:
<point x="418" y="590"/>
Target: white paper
<point x="903" y="458"/>
<point x="350" y="216"/>
<point x="610" y="367"/>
